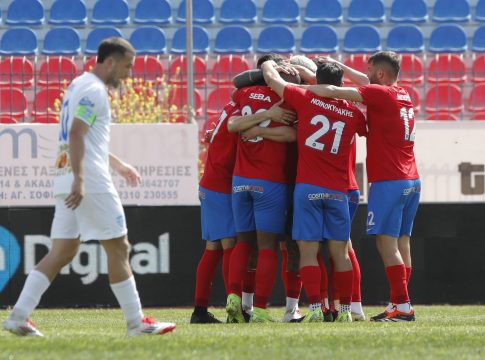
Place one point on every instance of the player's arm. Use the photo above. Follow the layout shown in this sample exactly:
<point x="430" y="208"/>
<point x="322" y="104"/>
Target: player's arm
<point x="273" y="78"/>
<point x="307" y="76"/>
<point x="353" y="75"/>
<point x="336" y="92"/>
<point x="128" y="172"/>
<point x="278" y="134"/>
<point x="249" y="78"/>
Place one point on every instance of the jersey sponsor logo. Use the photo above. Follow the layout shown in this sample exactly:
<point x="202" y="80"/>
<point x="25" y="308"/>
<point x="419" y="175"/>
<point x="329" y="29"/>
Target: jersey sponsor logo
<point x="258" y="96"/>
<point x="403" y="97"/>
<point x="326" y="196"/>
<point x="332" y="107"/>
<point x="9" y="256"/>
<point x="248" y="188"/>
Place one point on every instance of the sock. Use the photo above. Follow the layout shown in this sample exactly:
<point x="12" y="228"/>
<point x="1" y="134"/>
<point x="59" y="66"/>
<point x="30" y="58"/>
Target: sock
<point x="408" y="274"/>
<point x="344" y="308"/>
<point x="405" y="308"/>
<point x="238" y="265"/>
<point x="225" y="267"/>
<point x="293" y="288"/>
<point x="265" y="277"/>
<point x="284" y="274"/>
<point x="35" y="286"/>
<point x="396" y="275"/>
<point x="247" y="301"/>
<point x="291" y="303"/>
<point x="127" y="296"/>
<point x="333" y="283"/>
<point x="311" y="278"/>
<point x="206" y="271"/>
<point x="315" y="306"/>
<point x="356" y="307"/>
<point x="356" y="294"/>
<point x="323" y="278"/>
<point x="344" y="281"/>
<point x="248" y="281"/>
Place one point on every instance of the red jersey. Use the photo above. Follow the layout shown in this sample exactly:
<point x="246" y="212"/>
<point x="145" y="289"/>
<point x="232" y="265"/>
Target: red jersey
<point x="325" y="136"/>
<point x="352" y="157"/>
<point x="390" y="141"/>
<point x="221" y="155"/>
<point x="260" y="158"/>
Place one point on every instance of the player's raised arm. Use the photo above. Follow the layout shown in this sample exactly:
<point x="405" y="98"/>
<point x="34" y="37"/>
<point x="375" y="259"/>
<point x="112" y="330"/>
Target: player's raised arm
<point x="336" y="92"/>
<point x="353" y="75"/>
<point x="273" y="78"/>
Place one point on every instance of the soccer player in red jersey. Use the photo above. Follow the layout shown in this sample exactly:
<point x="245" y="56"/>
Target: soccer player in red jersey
<point x="392" y="172"/>
<point x="326" y="130"/>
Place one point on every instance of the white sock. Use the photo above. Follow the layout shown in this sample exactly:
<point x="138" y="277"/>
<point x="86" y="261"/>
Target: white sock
<point x="405" y="308"/>
<point x="291" y="303"/>
<point x="35" y="286"/>
<point x="315" y="306"/>
<point x="356" y="307"/>
<point x="389" y="307"/>
<point x="344" y="308"/>
<point x="247" y="301"/>
<point x="129" y="301"/>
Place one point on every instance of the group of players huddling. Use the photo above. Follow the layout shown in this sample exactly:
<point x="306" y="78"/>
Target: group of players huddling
<point x="280" y="168"/>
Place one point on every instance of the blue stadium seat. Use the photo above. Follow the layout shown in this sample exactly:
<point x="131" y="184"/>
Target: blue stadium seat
<point x="110" y="12"/>
<point x="238" y="12"/>
<point x="153" y="12"/>
<point x="414" y="11"/>
<point x="62" y="41"/>
<point x="18" y="42"/>
<point x="323" y="11"/>
<point x="480" y="11"/>
<point x="97" y="35"/>
<point x="25" y="12"/>
<point x="447" y="38"/>
<point x="277" y="39"/>
<point x="366" y="11"/>
<point x="202" y="12"/>
<point x="280" y="12"/>
<point x="233" y="40"/>
<point x="319" y="39"/>
<point x="200" y="45"/>
<point x="68" y="12"/>
<point x="362" y="39"/>
<point x="148" y="40"/>
<point x="405" y="38"/>
<point x="451" y="11"/>
<point x="478" y="42"/>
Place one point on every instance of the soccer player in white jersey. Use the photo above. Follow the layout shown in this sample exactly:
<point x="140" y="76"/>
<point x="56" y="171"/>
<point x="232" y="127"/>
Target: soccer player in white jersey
<point x="87" y="204"/>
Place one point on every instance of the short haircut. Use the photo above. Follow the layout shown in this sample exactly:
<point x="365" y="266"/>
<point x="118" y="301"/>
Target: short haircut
<point x="389" y="59"/>
<point x="329" y="74"/>
<point x="113" y="46"/>
<point x="271" y="56"/>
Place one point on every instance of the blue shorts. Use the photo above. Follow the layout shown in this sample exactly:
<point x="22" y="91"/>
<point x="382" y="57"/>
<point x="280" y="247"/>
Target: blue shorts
<point x="320" y="213"/>
<point x="216" y="215"/>
<point x="392" y="207"/>
<point x="354" y="197"/>
<point x="259" y="205"/>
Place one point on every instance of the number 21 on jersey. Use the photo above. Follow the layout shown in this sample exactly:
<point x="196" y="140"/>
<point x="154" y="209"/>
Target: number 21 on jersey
<point x="338" y="126"/>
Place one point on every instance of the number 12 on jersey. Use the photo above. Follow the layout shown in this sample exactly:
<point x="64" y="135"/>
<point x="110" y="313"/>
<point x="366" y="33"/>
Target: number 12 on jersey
<point x="407" y="114"/>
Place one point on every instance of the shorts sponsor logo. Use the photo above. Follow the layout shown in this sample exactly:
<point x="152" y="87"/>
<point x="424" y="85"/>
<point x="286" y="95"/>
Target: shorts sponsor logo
<point x="246" y="188"/>
<point x="412" y="189"/>
<point x="325" y="196"/>
<point x="201" y="195"/>
<point x="9" y="256"/>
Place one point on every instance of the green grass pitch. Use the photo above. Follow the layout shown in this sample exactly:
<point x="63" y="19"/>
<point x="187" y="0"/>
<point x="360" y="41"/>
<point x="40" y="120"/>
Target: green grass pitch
<point x="440" y="332"/>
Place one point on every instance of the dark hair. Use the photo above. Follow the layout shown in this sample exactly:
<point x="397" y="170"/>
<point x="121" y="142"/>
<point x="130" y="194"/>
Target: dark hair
<point x="389" y="59"/>
<point x="295" y="79"/>
<point x="266" y="57"/>
<point x="113" y="46"/>
<point x="330" y="74"/>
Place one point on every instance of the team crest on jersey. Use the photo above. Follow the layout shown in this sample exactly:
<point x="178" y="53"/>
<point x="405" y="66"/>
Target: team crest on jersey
<point x="86" y="102"/>
<point x="258" y="96"/>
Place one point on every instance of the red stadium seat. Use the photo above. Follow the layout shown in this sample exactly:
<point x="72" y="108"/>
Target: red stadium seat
<point x="148" y="68"/>
<point x="177" y="99"/>
<point x="46" y="119"/>
<point x="217" y="99"/>
<point x="476" y="101"/>
<point x="411" y="70"/>
<point x="44" y="102"/>
<point x="90" y="63"/>
<point x="16" y="72"/>
<point x="226" y="67"/>
<point x="478" y="69"/>
<point x="446" y="68"/>
<point x="442" y="116"/>
<point x="7" y="119"/>
<point x="178" y="70"/>
<point x="357" y="62"/>
<point x="13" y="103"/>
<point x="478" y="116"/>
<point x="57" y="71"/>
<point x="444" y="98"/>
<point x="415" y="97"/>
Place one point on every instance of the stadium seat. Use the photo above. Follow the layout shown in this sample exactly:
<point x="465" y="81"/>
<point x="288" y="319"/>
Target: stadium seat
<point x="148" y="40"/>
<point x="97" y="35"/>
<point x="478" y="41"/>
<point x="323" y="11"/>
<point x="45" y="102"/>
<point x="233" y="40"/>
<point x="217" y="99"/>
<point x="277" y="39"/>
<point x="90" y="63"/>
<point x="319" y="39"/>
<point x="178" y="70"/>
<point x="442" y="116"/>
<point x="226" y="67"/>
<point x="148" y="68"/>
<point x="200" y="42"/>
<point x="238" y="12"/>
<point x="13" y="103"/>
<point x="444" y="98"/>
<point x="110" y="12"/>
<point x="366" y="11"/>
<point x="480" y="11"/>
<point x="7" y="119"/>
<point x="358" y="62"/>
<point x="478" y="116"/>
<point x="62" y="41"/>
<point x="448" y="38"/>
<point x="57" y="72"/>
<point x="178" y="97"/>
<point x="153" y="12"/>
<point x="446" y="68"/>
<point x="476" y="101"/>
<point x="18" y="42"/>
<point x="49" y="118"/>
<point x="25" y="12"/>
<point x="280" y="12"/>
<point x="451" y="11"/>
<point x="362" y="39"/>
<point x="415" y="97"/>
<point x="409" y="11"/>
<point x="411" y="70"/>
<point x="68" y="12"/>
<point x="202" y="12"/>
<point x="405" y="39"/>
<point x="478" y="69"/>
<point x="16" y="72"/>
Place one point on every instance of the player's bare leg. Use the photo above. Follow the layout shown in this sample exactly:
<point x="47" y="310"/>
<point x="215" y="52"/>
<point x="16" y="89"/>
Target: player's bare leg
<point x="343" y="274"/>
<point x="404" y="245"/>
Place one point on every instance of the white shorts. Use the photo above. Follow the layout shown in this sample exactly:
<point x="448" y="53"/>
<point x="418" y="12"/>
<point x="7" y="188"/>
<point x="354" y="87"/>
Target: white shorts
<point x="98" y="217"/>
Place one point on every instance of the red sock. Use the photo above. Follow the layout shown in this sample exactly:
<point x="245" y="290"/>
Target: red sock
<point x="205" y="275"/>
<point x="344" y="280"/>
<point x="356" y="295"/>
<point x="408" y="274"/>
<point x="284" y="275"/>
<point x="323" y="278"/>
<point x="293" y="289"/>
<point x="225" y="267"/>
<point x="265" y="277"/>
<point x="238" y="265"/>
<point x="311" y="279"/>
<point x="396" y="275"/>
<point x="333" y="283"/>
<point x="248" y="281"/>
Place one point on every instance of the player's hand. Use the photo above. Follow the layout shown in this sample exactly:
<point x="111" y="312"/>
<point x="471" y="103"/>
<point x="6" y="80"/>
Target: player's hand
<point x="129" y="173"/>
<point x="287" y="69"/>
<point x="208" y="136"/>
<point x="278" y="114"/>
<point x="77" y="194"/>
<point x="326" y="59"/>
<point x="251" y="133"/>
